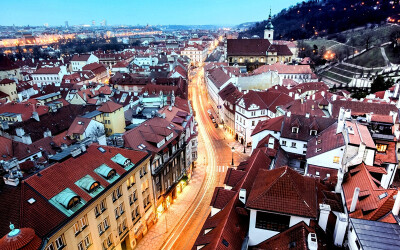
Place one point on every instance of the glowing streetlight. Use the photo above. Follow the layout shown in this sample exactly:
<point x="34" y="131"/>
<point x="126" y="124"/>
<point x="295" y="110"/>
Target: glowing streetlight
<point x="233" y="150"/>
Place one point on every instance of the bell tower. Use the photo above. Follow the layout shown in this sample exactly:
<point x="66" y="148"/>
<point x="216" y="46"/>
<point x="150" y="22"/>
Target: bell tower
<point x="269" y="29"/>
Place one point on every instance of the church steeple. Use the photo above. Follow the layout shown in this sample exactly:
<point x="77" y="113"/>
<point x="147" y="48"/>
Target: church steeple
<point x="269" y="22"/>
<point x="269" y="29"/>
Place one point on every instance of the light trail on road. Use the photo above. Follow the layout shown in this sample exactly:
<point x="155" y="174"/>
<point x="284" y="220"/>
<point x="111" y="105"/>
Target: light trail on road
<point x="210" y="169"/>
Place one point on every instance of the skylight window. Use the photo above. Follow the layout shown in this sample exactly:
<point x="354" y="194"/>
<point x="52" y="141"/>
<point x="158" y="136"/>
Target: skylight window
<point x="383" y="195"/>
<point x="102" y="150"/>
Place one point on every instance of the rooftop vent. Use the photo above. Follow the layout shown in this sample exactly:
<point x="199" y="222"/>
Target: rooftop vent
<point x="383" y="195"/>
<point x="102" y="149"/>
<point x="31" y="201"/>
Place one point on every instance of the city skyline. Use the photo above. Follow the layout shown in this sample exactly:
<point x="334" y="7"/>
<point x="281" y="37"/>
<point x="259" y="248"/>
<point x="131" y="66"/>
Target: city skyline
<point x="224" y="12"/>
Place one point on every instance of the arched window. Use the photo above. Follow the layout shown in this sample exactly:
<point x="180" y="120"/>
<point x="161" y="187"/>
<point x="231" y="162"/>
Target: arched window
<point x="111" y="174"/>
<point x="94" y="187"/>
<point x="73" y="202"/>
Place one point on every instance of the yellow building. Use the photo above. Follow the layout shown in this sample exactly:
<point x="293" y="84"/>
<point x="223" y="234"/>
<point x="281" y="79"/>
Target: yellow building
<point x="107" y="201"/>
<point x="111" y="115"/>
<point x="9" y="88"/>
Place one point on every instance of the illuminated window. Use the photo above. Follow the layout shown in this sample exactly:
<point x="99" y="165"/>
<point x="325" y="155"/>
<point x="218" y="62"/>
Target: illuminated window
<point x="381" y="148"/>
<point x="336" y="159"/>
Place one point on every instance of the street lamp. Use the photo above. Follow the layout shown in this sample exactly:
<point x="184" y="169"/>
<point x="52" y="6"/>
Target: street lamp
<point x="233" y="150"/>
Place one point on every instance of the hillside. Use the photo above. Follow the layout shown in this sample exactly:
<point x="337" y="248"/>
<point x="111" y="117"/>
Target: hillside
<point x="324" y="17"/>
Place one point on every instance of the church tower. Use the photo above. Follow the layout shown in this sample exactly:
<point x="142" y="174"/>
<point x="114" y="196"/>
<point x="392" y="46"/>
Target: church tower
<point x="269" y="29"/>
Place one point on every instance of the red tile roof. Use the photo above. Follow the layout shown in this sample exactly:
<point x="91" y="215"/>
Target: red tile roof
<point x="26" y="239"/>
<point x="218" y="77"/>
<point x="302" y="107"/>
<point x="221" y="197"/>
<point x="360" y="134"/>
<point x="6" y="64"/>
<point x="273" y="124"/>
<point x="56" y="122"/>
<point x="310" y="86"/>
<point x="47" y="70"/>
<point x="382" y="118"/>
<point x="95" y="68"/>
<point x="60" y="176"/>
<point x="6" y="81"/>
<point x="297" y="235"/>
<point x="80" y="57"/>
<point x="109" y="107"/>
<point x="24" y="108"/>
<point x="304" y="130"/>
<point x="389" y="156"/>
<point x="284" y="69"/>
<point x="265" y="99"/>
<point x="247" y="47"/>
<point x="149" y="133"/>
<point x="285" y="191"/>
<point x="78" y="126"/>
<point x="369" y="205"/>
<point x="325" y="141"/>
<point x="361" y="108"/>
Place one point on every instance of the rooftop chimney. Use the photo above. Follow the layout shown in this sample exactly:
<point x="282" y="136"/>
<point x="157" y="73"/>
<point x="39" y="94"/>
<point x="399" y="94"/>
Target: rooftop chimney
<point x="312" y="241"/>
<point x="354" y="200"/>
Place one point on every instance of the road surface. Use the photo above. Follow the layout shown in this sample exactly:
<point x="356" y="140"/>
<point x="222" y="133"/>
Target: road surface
<point x="216" y="145"/>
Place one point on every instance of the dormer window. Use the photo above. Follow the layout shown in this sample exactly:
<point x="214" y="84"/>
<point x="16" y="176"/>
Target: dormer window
<point x="94" y="187"/>
<point x="381" y="148"/>
<point x="122" y="161"/>
<point x="73" y="202"/>
<point x="106" y="172"/>
<point x="67" y="201"/>
<point x="88" y="184"/>
<point x="313" y="132"/>
<point x="295" y="130"/>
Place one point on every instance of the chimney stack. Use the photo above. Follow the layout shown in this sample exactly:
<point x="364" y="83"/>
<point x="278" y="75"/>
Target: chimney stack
<point x="354" y="200"/>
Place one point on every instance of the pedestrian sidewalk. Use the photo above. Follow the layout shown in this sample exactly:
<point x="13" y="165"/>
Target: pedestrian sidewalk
<point x="159" y="232"/>
<point x="239" y="148"/>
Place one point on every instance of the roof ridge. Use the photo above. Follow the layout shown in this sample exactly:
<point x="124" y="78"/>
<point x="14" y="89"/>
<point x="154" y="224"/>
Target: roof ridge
<point x="298" y="191"/>
<point x="272" y="183"/>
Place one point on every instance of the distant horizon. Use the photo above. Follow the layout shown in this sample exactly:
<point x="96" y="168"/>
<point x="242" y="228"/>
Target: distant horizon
<point x="124" y="12"/>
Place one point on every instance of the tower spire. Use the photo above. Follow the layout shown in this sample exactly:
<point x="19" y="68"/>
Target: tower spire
<point x="269" y="21"/>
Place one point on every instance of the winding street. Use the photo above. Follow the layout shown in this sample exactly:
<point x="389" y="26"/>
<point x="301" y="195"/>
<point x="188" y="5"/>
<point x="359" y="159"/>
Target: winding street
<point x="215" y="154"/>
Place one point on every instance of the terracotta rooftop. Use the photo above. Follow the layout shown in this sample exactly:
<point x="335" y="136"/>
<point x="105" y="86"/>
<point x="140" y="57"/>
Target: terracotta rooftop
<point x="374" y="202"/>
<point x="247" y="47"/>
<point x="80" y="57"/>
<point x="284" y="191"/>
<point x="109" y="107"/>
<point x="273" y="124"/>
<point x="284" y="69"/>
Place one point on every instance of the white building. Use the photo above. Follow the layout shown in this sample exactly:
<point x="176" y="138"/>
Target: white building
<point x="195" y="52"/>
<point x="145" y="61"/>
<point x="216" y="79"/>
<point x="79" y="61"/>
<point x="47" y="75"/>
<point x="253" y="107"/>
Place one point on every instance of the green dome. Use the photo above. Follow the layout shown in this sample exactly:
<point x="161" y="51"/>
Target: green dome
<point x="269" y="22"/>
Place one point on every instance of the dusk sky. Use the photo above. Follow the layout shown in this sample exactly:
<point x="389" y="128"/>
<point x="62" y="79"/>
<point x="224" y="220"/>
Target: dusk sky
<point x="56" y="12"/>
